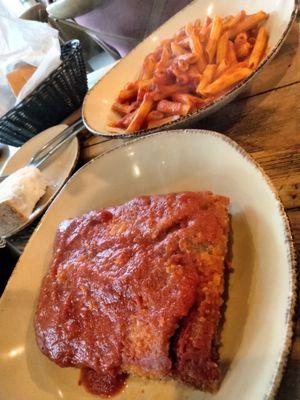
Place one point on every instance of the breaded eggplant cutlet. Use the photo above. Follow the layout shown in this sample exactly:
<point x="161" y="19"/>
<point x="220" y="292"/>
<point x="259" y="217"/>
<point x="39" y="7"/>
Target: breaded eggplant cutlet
<point x="137" y="288"/>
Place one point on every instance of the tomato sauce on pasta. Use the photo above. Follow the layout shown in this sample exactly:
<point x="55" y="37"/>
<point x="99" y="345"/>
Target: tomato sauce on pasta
<point x="202" y="61"/>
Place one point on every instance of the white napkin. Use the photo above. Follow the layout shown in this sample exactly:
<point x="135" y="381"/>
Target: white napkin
<point x="30" y="42"/>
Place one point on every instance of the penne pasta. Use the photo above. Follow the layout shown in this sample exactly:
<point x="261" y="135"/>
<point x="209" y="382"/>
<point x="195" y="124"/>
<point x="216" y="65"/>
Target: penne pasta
<point x="178" y="73"/>
<point x="241" y="38"/>
<point x="242" y="64"/>
<point x="189" y="29"/>
<point x="183" y="98"/>
<point x="190" y="58"/>
<point x="232" y="68"/>
<point x="252" y="40"/>
<point x="214" y="37"/>
<point x="124" y="121"/>
<point x="197" y="26"/>
<point x="140" y="95"/>
<point x="232" y="21"/>
<point x="182" y="79"/>
<point x="248" y="23"/>
<point x="127" y="94"/>
<point x="222" y="67"/>
<point x="225" y="81"/>
<point x="146" y="84"/>
<point x="148" y="67"/>
<point x="162" y="76"/>
<point x="200" y="62"/>
<point x="207" y="77"/>
<point x="222" y="48"/>
<point x="157" y="53"/>
<point x="208" y="31"/>
<point x="154" y="115"/>
<point x="226" y="19"/>
<point x="173" y="108"/>
<point x="194" y="73"/>
<point x="205" y="29"/>
<point x="231" y="54"/>
<point x="177" y="50"/>
<point x="164" y="59"/>
<point x="130" y="85"/>
<point x="122" y="108"/>
<point x="194" y="102"/>
<point x="243" y="51"/>
<point x="141" y="114"/>
<point x="183" y="65"/>
<point x="185" y="43"/>
<point x="189" y="99"/>
<point x="259" y="48"/>
<point x="196" y="47"/>
<point x="185" y="60"/>
<point x="164" y="91"/>
<point x="165" y="43"/>
<point x="180" y="34"/>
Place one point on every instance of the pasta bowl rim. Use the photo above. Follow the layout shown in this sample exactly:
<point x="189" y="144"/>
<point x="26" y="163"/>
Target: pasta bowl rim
<point x="196" y="115"/>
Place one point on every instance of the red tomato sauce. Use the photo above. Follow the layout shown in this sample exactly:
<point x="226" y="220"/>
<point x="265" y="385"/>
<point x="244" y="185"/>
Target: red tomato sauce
<point x="102" y="385"/>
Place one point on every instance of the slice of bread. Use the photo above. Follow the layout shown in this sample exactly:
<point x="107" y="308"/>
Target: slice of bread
<point x="10" y="217"/>
<point x="19" y="193"/>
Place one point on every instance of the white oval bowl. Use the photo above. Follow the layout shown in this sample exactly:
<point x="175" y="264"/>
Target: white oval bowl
<point x="257" y="332"/>
<point x="97" y="104"/>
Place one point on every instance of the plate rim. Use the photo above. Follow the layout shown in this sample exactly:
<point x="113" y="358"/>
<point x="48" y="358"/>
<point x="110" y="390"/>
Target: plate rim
<point x="51" y="198"/>
<point x="292" y="259"/>
<point x="191" y="116"/>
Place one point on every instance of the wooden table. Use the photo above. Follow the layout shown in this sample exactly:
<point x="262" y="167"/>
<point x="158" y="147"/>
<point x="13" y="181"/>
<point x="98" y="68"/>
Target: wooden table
<point x="265" y="121"/>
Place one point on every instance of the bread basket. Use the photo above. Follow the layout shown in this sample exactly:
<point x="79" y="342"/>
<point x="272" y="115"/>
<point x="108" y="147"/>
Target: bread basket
<point x="60" y="94"/>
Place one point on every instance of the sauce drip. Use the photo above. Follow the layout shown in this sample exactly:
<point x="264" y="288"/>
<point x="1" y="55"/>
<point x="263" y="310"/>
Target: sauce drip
<point x="102" y="385"/>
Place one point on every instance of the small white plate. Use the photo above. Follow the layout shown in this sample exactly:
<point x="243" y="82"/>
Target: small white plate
<point x="257" y="333"/>
<point x="56" y="170"/>
<point x="98" y="101"/>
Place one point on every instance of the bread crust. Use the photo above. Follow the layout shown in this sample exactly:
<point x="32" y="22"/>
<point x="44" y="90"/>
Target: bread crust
<point x="10" y="217"/>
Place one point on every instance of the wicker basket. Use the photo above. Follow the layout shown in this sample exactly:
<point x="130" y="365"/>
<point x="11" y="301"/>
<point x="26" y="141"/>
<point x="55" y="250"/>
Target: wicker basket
<point x="60" y="94"/>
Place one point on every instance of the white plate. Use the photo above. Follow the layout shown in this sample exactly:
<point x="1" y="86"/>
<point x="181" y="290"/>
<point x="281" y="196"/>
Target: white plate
<point x="56" y="170"/>
<point x="97" y="104"/>
<point x="257" y="332"/>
